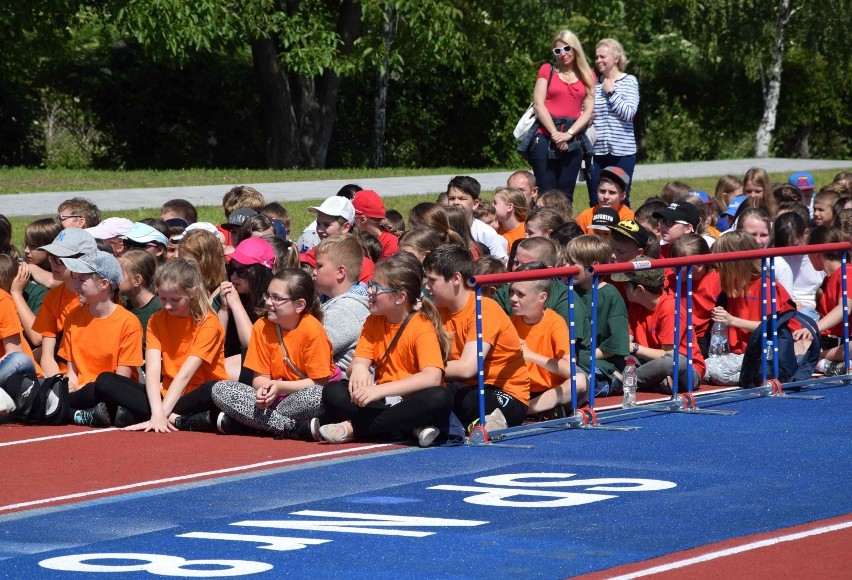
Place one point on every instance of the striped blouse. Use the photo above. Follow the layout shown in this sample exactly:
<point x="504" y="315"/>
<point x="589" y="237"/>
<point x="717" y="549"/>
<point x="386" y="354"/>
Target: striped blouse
<point x="614" y="117"/>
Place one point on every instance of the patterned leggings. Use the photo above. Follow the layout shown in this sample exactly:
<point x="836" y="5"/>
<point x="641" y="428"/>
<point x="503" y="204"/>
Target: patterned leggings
<point x="237" y="400"/>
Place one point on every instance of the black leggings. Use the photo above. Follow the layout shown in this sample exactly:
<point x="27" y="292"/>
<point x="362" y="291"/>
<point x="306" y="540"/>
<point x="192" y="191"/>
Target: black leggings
<point x="466" y="406"/>
<point x="431" y="406"/>
<point x="118" y="391"/>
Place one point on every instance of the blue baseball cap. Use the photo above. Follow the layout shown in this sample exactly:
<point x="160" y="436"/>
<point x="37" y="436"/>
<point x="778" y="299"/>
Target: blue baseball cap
<point x="803" y="180"/>
<point x="702" y="195"/>
<point x="735" y="204"/>
<point x="101" y="263"/>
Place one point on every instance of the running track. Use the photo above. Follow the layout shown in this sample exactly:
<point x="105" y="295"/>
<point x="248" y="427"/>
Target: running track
<point x="761" y="493"/>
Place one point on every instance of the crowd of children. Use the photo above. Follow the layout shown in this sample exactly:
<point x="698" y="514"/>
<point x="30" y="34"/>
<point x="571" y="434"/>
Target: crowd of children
<point x="366" y="329"/>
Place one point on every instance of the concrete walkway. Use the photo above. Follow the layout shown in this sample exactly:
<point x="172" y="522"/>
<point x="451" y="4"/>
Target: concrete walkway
<point x="33" y="204"/>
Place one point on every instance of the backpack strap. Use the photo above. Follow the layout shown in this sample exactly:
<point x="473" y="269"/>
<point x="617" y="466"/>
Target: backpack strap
<point x="393" y="341"/>
<point x="287" y="360"/>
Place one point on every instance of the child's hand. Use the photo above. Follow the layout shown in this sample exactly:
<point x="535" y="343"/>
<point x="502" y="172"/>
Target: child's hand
<point x="364" y="395"/>
<point x="20" y="280"/>
<point x="266" y="395"/>
<point x="719" y="314"/>
<point x="161" y="425"/>
<point x="360" y="377"/>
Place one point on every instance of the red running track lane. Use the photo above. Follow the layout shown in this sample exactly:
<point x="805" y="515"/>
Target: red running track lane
<point x="83" y="464"/>
<point x="815" y="550"/>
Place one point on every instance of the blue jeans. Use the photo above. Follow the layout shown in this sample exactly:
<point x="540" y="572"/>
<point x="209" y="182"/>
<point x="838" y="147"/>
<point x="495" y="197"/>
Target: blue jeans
<point x="558" y="173"/>
<point x="626" y="162"/>
<point x="15" y="363"/>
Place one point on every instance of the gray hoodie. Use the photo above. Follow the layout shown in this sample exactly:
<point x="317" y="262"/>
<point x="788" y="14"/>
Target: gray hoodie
<point x="343" y="317"/>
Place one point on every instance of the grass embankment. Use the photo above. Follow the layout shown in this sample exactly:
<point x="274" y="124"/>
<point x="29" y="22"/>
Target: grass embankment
<point x="24" y="180"/>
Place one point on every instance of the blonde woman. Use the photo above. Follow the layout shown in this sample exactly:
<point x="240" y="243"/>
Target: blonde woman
<point x="564" y="100"/>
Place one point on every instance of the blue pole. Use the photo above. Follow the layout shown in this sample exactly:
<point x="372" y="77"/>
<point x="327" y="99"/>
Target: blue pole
<point x="845" y="302"/>
<point x="690" y="332"/>
<point x="594" y="342"/>
<point x="774" y="333"/>
<point x="676" y="351"/>
<point x="480" y="359"/>
<point x="763" y="319"/>
<point x="572" y="348"/>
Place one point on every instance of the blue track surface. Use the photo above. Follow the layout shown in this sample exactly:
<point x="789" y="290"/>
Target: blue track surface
<point x="777" y="463"/>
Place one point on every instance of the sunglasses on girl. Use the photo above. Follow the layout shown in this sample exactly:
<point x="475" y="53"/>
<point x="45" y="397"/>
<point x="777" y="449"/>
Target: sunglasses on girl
<point x="560" y="49"/>
<point x="240" y="272"/>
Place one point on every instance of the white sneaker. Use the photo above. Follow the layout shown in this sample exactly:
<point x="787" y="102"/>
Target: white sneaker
<point x="426" y="435"/>
<point x="495" y="421"/>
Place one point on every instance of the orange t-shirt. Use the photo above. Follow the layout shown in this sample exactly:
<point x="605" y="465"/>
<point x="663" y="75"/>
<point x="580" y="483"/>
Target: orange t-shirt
<point x="504" y="366"/>
<point x="549" y="337"/>
<point x="512" y="235"/>
<point x="178" y="338"/>
<point x="307" y="346"/>
<point x="58" y="302"/>
<point x="416" y="349"/>
<point x="584" y="220"/>
<point x="98" y="345"/>
<point x="10" y="325"/>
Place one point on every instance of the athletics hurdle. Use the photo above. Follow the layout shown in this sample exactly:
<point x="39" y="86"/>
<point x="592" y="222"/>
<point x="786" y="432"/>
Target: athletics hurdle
<point x="771" y="386"/>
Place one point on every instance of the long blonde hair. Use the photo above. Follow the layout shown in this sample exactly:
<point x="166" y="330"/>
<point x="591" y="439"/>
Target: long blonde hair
<point x="581" y="65"/>
<point x="187" y="280"/>
<point x="735" y="277"/>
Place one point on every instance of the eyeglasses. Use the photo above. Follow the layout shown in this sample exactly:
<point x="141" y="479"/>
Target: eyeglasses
<point x="240" y="272"/>
<point x="560" y="49"/>
<point x="670" y="223"/>
<point x="374" y="289"/>
<point x="276" y="300"/>
<point x="62" y="218"/>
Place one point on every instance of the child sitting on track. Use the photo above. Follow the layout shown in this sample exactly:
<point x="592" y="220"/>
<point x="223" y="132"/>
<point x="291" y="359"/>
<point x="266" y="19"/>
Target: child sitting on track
<point x="545" y="341"/>
<point x="652" y="332"/>
<point x="612" y="330"/>
<point x="138" y="269"/>
<point x="291" y="358"/>
<point x="404" y="342"/>
<point x="59" y="301"/>
<point x="183" y="359"/>
<point x="100" y="336"/>
<point x="507" y="381"/>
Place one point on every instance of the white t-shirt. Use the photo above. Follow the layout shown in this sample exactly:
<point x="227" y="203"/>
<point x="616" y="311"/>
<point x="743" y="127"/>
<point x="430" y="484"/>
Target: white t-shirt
<point x="485" y="234"/>
<point x="799" y="278"/>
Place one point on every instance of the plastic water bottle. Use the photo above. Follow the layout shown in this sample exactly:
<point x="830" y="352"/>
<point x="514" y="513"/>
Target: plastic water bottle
<point x="719" y="339"/>
<point x="629" y="383"/>
<point x="770" y="350"/>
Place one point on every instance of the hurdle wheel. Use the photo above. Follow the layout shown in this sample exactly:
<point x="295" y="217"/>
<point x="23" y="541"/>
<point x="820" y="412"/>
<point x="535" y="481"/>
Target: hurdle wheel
<point x="479" y="435"/>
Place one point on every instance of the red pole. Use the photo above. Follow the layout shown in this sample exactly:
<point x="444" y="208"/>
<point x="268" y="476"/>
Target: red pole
<point x="545" y="274"/>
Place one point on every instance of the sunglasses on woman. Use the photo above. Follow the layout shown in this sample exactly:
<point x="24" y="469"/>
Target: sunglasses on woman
<point x="560" y="49"/>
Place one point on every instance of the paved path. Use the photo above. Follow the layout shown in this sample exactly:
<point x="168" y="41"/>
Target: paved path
<point x="31" y="204"/>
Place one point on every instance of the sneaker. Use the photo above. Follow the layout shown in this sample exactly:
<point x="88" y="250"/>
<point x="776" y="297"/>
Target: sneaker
<point x="305" y="431"/>
<point x="495" y="421"/>
<point x="336" y="433"/>
<point x="228" y="426"/>
<point x="97" y="416"/>
<point x="833" y="369"/>
<point x="198" y="422"/>
<point x="124" y="418"/>
<point x="426" y="435"/>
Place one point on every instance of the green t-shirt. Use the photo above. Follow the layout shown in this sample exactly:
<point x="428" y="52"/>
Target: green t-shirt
<point x="34" y="295"/>
<point x="613" y="331"/>
<point x="144" y="313"/>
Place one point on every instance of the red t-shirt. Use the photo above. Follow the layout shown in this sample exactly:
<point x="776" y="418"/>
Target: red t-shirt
<point x="655" y="328"/>
<point x="563" y="99"/>
<point x="748" y="308"/>
<point x="390" y="244"/>
<point x="704" y="296"/>
<point x="831" y="296"/>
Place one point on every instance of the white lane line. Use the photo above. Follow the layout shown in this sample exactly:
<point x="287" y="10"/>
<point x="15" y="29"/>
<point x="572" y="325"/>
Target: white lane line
<point x="51" y="437"/>
<point x="201" y="474"/>
<point x="732" y="551"/>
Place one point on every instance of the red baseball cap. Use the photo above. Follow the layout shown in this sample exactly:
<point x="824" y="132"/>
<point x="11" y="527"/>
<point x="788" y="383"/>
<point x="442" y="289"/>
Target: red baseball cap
<point x="368" y="203"/>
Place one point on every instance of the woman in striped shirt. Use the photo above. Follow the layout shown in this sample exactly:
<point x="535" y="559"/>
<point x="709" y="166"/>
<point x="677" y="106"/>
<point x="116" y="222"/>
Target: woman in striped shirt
<point x="616" y="101"/>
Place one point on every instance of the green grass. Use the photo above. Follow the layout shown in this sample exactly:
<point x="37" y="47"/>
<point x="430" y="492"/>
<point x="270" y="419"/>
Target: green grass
<point x="300" y="217"/>
<point x="23" y="180"/>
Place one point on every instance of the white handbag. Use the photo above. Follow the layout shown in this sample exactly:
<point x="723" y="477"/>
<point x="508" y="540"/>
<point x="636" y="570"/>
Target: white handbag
<point x="525" y="123"/>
